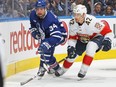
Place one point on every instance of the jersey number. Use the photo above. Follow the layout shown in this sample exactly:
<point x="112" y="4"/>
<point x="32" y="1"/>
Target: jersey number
<point x="71" y="21"/>
<point x="52" y="27"/>
<point x="88" y="20"/>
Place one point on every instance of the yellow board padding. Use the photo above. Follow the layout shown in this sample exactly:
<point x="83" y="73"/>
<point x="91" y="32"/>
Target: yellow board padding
<point x="98" y="56"/>
<point x="22" y="66"/>
<point x="31" y="63"/>
<point x="11" y="69"/>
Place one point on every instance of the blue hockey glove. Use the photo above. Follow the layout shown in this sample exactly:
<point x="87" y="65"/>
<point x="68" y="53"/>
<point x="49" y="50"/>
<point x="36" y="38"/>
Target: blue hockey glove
<point x="71" y="52"/>
<point x="35" y="33"/>
<point x="44" y="48"/>
<point x="106" y="44"/>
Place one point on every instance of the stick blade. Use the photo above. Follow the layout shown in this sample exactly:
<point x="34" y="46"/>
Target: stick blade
<point x="23" y="83"/>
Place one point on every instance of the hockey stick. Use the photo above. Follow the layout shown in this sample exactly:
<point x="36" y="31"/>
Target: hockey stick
<point x="46" y="63"/>
<point x="58" y="61"/>
<point x="62" y="60"/>
<point x="32" y="78"/>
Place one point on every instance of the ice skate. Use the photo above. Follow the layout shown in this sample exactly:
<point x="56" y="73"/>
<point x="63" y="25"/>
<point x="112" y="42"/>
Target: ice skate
<point x="51" y="71"/>
<point x="81" y="74"/>
<point x="41" y="72"/>
<point x="59" y="72"/>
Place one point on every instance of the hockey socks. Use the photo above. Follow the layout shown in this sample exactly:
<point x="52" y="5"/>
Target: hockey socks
<point x="87" y="60"/>
<point x="67" y="64"/>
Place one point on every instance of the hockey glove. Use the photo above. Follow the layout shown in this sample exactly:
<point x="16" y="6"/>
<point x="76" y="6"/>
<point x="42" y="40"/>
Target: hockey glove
<point x="71" y="52"/>
<point x="106" y="44"/>
<point x="44" y="48"/>
<point x="35" y="33"/>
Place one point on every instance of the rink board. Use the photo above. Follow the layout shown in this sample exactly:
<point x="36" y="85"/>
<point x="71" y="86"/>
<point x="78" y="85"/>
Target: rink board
<point x="21" y="47"/>
<point x="102" y="73"/>
<point x="34" y="62"/>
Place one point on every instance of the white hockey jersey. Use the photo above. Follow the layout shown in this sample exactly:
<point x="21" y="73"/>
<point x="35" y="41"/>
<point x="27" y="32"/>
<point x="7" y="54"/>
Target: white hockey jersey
<point x="90" y="28"/>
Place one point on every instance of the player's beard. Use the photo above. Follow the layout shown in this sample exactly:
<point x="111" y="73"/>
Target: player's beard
<point x="41" y="15"/>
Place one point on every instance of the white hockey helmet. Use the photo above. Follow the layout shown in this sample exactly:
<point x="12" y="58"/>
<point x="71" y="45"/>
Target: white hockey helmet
<point x="80" y="9"/>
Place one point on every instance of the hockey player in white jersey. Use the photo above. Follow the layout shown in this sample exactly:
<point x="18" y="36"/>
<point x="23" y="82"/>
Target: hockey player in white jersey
<point x="86" y="33"/>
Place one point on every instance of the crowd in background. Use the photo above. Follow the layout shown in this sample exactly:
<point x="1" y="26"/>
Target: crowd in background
<point x="22" y="8"/>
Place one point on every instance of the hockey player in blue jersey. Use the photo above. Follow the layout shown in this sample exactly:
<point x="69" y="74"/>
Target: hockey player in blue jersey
<point x="46" y="27"/>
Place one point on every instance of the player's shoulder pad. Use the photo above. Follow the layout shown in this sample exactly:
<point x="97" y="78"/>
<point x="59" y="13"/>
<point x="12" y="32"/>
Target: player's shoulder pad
<point x="51" y="19"/>
<point x="90" y="20"/>
<point x="33" y="14"/>
<point x="51" y="16"/>
<point x="90" y="17"/>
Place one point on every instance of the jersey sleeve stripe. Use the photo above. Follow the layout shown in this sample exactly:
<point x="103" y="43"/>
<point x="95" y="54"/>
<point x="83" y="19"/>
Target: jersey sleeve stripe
<point x="73" y="37"/>
<point x="55" y="32"/>
<point x="57" y="36"/>
<point x="106" y="28"/>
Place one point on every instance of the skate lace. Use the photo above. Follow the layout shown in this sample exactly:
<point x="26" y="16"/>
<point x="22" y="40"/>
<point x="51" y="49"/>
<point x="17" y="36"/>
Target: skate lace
<point x="60" y="71"/>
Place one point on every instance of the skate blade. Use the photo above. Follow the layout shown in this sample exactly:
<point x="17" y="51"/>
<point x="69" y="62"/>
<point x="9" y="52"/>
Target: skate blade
<point x="39" y="77"/>
<point x="51" y="75"/>
<point x="79" y="79"/>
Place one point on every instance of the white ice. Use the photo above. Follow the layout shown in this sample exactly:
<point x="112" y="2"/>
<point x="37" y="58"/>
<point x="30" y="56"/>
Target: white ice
<point x="101" y="73"/>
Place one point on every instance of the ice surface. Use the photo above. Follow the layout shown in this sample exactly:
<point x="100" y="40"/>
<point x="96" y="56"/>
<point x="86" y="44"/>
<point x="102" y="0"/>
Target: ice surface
<point x="102" y="73"/>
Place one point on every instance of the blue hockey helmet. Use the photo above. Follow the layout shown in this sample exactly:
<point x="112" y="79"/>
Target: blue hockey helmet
<point x="40" y="3"/>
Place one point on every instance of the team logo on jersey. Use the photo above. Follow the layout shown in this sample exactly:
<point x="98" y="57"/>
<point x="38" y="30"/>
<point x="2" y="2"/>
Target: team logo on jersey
<point x="42" y="33"/>
<point x="84" y="38"/>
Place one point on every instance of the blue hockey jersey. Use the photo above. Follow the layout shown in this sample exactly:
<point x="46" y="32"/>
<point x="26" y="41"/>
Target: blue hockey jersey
<point x="50" y="29"/>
